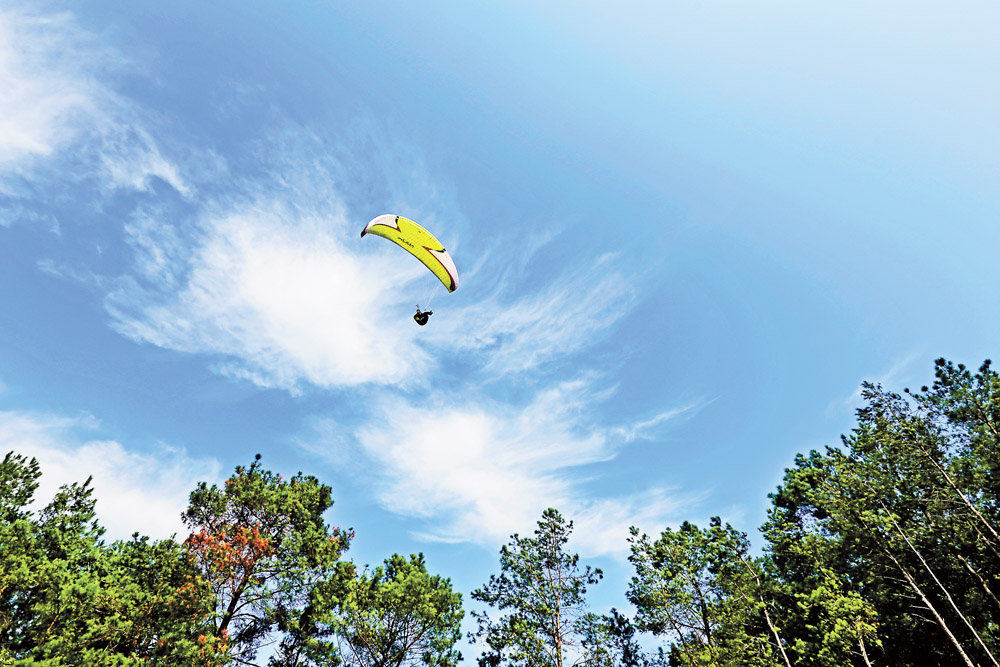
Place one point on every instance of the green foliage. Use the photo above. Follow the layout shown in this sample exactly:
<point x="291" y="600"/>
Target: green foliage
<point x="888" y="544"/>
<point x="540" y="593"/>
<point x="263" y="547"/>
<point x="610" y="641"/>
<point x="261" y="563"/>
<point x="882" y="550"/>
<point x="702" y="589"/>
<point x="399" y="615"/>
<point x="67" y="598"/>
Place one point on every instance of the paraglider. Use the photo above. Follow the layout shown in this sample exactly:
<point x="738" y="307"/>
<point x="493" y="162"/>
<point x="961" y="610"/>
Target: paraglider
<point x="421" y="244"/>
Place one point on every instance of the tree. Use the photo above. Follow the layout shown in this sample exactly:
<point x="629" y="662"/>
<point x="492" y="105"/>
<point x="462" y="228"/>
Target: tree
<point x="68" y="598"/>
<point x="399" y="615"/>
<point x="262" y="545"/>
<point x="890" y="538"/>
<point x="702" y="589"/>
<point x="540" y="593"/>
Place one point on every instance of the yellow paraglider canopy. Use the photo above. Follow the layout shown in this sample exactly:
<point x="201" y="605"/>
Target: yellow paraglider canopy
<point x="418" y="242"/>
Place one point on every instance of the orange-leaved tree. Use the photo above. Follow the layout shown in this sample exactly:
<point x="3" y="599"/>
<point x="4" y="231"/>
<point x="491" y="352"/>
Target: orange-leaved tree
<point x="262" y="544"/>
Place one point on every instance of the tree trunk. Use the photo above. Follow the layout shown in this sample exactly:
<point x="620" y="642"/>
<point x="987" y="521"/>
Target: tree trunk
<point x="767" y="617"/>
<point x="864" y="653"/>
<point x="927" y="603"/>
<point x="959" y="493"/>
<point x="703" y="607"/>
<point x="909" y="579"/>
<point x="979" y="577"/>
<point x="937" y="581"/>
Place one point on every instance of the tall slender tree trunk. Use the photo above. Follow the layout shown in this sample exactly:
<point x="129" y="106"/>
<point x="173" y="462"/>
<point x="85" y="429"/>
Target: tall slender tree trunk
<point x="864" y="653"/>
<point x="959" y="493"/>
<point x="559" y="647"/>
<point x="767" y="617"/>
<point x="705" y="624"/>
<point x="982" y="582"/>
<point x="937" y="581"/>
<point x="985" y="540"/>
<point x="557" y="621"/>
<point x="927" y="603"/>
<point x="777" y="639"/>
<point x="909" y="578"/>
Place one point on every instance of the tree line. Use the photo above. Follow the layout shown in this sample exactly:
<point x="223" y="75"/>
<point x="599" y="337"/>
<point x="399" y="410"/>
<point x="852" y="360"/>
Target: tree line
<point x="881" y="550"/>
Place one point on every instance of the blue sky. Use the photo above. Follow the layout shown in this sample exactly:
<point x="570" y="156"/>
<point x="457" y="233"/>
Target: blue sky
<point x="686" y="232"/>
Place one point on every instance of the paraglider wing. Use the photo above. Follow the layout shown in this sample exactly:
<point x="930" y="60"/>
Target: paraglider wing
<point x="418" y="242"/>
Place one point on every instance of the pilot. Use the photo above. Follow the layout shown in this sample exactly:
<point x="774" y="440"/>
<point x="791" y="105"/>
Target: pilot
<point x="422" y="317"/>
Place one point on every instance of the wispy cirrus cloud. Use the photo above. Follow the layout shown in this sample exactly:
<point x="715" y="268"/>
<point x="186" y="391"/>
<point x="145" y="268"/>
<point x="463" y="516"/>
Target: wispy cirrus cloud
<point x="45" y="94"/>
<point x="546" y="322"/>
<point x="272" y="290"/>
<point x="271" y="278"/>
<point x="644" y="428"/>
<point x="135" y="491"/>
<point x="480" y="470"/>
<point x="60" y="118"/>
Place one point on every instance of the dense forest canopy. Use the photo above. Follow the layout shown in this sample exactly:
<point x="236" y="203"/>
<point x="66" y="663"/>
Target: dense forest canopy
<point x="881" y="550"/>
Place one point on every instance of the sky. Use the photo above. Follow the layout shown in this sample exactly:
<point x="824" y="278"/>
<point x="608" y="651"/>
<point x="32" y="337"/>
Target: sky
<point x="685" y="232"/>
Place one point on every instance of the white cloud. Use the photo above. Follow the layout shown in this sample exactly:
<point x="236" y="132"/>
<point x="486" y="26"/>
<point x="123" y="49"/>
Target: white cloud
<point x="42" y="94"/>
<point x="601" y="526"/>
<point x="55" y="105"/>
<point x="16" y="213"/>
<point x="135" y="491"/>
<point x="131" y="159"/>
<point x="479" y="472"/>
<point x="642" y="428"/>
<point x="274" y="288"/>
<point x="555" y="321"/>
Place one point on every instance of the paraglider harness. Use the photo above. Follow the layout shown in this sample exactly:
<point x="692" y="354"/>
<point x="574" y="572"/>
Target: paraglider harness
<point x="422" y="317"/>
